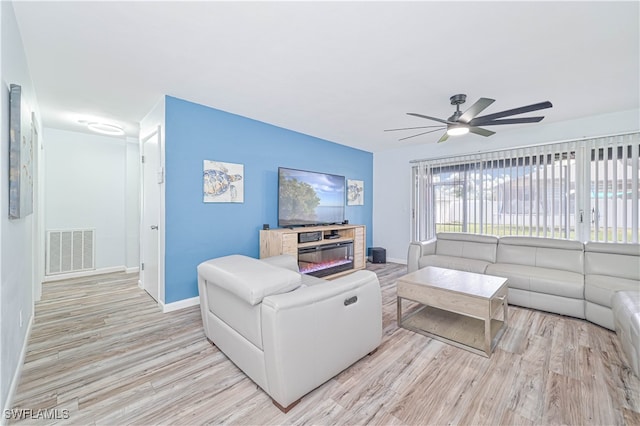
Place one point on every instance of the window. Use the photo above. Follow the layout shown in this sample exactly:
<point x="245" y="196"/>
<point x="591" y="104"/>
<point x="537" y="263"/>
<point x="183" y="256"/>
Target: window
<point x="613" y="192"/>
<point x="584" y="190"/>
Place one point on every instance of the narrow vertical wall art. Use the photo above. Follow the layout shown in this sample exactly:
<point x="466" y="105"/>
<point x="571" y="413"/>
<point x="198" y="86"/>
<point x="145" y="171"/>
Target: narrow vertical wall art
<point x="223" y="182"/>
<point x="20" y="156"/>
<point x="355" y="192"/>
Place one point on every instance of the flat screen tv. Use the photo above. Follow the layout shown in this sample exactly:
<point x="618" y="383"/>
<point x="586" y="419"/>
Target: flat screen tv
<point x="308" y="198"/>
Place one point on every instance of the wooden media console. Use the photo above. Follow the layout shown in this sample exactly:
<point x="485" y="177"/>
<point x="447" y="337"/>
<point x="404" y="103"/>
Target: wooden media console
<point x="274" y="242"/>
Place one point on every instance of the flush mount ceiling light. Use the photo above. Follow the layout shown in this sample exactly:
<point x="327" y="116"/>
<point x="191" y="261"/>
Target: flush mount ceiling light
<point x="105" y="129"/>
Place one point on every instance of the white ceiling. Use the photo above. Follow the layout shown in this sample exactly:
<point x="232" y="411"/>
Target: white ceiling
<point x="341" y="71"/>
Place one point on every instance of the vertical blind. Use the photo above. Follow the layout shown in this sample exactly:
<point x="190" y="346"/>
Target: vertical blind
<point x="585" y="190"/>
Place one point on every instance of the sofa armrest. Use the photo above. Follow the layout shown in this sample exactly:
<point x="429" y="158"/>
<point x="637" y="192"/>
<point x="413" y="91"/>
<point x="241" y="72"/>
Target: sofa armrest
<point x="321" y="292"/>
<point x="336" y="323"/>
<point x="417" y="249"/>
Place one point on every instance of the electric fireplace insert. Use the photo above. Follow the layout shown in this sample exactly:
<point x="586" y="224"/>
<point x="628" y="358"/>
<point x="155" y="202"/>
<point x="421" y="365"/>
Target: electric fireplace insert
<point x="326" y="259"/>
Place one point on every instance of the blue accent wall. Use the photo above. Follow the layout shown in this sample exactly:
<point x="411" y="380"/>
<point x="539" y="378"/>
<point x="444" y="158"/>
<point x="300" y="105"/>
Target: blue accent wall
<point x="197" y="231"/>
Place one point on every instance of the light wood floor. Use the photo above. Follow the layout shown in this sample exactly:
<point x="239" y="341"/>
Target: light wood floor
<point x="101" y="349"/>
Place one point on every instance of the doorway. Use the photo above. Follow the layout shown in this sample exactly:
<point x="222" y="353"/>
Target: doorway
<point x="151" y="232"/>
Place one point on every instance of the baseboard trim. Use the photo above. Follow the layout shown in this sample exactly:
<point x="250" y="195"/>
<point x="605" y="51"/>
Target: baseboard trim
<point x="81" y="274"/>
<point x="132" y="270"/>
<point x="180" y="304"/>
<point x="16" y="376"/>
<point x="400" y="261"/>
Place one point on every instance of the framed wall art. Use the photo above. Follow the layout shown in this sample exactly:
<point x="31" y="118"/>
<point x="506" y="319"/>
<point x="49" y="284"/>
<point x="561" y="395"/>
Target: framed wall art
<point x="223" y="182"/>
<point x="20" y="156"/>
<point x="355" y="192"/>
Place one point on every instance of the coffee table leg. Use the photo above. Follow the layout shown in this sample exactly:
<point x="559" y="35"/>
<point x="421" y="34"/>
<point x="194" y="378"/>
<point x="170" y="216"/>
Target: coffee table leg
<point x="505" y="304"/>
<point x="399" y="310"/>
<point x="487" y="336"/>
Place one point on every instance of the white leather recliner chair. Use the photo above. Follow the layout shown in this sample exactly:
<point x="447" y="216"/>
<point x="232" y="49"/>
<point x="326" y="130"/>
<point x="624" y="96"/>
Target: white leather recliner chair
<point x="288" y="332"/>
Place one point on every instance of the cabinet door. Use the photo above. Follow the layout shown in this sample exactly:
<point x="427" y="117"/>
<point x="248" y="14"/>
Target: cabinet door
<point x="290" y="244"/>
<point x="359" y="244"/>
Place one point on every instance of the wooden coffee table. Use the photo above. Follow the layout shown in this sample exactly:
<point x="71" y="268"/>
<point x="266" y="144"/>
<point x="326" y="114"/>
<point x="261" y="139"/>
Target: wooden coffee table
<point x="460" y="308"/>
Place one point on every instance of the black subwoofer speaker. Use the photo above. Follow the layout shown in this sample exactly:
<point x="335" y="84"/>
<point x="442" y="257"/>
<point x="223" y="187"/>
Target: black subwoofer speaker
<point x="377" y="255"/>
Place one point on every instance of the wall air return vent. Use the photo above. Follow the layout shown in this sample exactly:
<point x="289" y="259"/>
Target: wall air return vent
<point x="70" y="251"/>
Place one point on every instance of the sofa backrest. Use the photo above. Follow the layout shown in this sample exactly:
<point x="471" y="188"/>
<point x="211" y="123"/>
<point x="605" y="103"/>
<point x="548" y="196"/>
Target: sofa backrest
<point x="249" y="279"/>
<point x="542" y="252"/>
<point x="471" y="246"/>
<point x="616" y="260"/>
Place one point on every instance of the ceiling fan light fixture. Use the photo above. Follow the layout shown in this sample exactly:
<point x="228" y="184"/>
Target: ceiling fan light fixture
<point x="461" y="123"/>
<point x="457" y="130"/>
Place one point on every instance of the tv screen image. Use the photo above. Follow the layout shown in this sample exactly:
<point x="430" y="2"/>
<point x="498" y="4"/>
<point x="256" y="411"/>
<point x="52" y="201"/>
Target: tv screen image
<point x="309" y="198"/>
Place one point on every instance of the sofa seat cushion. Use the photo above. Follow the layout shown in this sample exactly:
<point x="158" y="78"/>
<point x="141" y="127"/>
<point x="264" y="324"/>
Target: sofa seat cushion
<point x="626" y="313"/>
<point x="249" y="279"/>
<point x="600" y="288"/>
<point x="454" y="262"/>
<point x="540" y="280"/>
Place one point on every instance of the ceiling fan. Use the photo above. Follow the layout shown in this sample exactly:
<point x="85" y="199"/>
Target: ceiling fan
<point x="468" y="122"/>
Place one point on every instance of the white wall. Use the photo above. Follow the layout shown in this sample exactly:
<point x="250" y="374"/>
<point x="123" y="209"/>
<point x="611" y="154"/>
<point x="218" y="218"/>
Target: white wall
<point x="392" y="170"/>
<point x="132" y="204"/>
<point x="91" y="181"/>
<point x="17" y="235"/>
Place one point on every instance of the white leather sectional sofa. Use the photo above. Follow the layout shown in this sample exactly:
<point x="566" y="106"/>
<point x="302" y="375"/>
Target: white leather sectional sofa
<point x="553" y="275"/>
<point x="464" y="252"/>
<point x="544" y="273"/>
<point x="608" y="268"/>
<point x="626" y="313"/>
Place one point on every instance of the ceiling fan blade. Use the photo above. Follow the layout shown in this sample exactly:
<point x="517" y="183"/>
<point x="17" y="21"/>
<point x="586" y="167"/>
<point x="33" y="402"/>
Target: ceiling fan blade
<point x="475" y="109"/>
<point x="480" y="131"/>
<point x="510" y="121"/>
<point x="412" y="128"/>
<point x="430" y="118"/>
<point x="419" y="134"/>
<point x="515" y="111"/>
<point x="444" y="137"/>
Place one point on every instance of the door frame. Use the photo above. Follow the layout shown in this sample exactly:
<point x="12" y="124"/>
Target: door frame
<point x="161" y="248"/>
